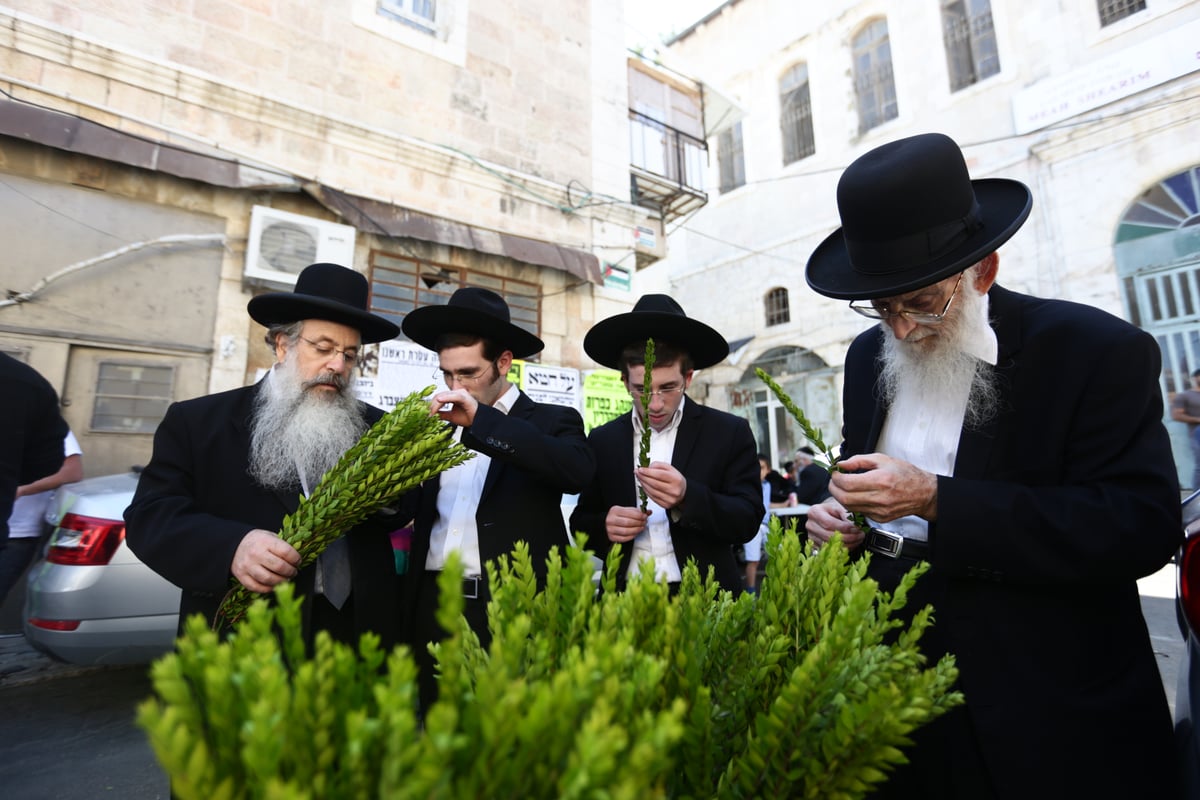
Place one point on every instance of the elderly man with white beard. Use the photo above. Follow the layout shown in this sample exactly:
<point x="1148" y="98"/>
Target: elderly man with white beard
<point x="227" y="468"/>
<point x="1016" y="444"/>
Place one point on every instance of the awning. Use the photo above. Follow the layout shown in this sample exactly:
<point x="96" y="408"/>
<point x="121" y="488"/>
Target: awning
<point x="68" y="132"/>
<point x="386" y="219"/>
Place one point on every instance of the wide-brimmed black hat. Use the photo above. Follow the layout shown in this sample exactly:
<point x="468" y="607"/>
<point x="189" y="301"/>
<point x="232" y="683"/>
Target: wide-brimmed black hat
<point x="325" y="291"/>
<point x="658" y="317"/>
<point x="911" y="216"/>
<point x="471" y="310"/>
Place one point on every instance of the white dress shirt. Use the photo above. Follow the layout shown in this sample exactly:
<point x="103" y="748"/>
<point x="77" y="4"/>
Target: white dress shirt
<point x="457" y="503"/>
<point x="924" y="433"/>
<point x="654" y="542"/>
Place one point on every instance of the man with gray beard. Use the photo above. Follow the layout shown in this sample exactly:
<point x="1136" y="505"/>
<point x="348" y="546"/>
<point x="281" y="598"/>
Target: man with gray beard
<point x="1017" y="445"/>
<point x="227" y="468"/>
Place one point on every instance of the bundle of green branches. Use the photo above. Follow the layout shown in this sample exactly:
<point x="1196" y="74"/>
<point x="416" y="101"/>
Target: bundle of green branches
<point x="405" y="447"/>
<point x="813" y="434"/>
<point x="647" y="397"/>
<point x="808" y="690"/>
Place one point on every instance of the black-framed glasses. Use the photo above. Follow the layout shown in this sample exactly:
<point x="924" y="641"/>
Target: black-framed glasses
<point x="873" y="311"/>
<point x="464" y="377"/>
<point x="666" y="391"/>
<point x="327" y="350"/>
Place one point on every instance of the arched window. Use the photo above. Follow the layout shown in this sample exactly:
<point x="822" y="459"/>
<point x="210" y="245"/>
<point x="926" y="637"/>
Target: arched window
<point x="874" y="84"/>
<point x="795" y="114"/>
<point x="776" y="306"/>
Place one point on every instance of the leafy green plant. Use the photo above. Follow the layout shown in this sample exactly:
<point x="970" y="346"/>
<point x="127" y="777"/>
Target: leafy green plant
<point x="813" y="434"/>
<point x="808" y="690"/>
<point x="647" y="397"/>
<point x="405" y="447"/>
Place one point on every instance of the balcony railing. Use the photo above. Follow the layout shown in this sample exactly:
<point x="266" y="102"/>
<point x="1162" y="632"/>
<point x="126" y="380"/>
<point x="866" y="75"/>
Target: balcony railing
<point x="667" y="167"/>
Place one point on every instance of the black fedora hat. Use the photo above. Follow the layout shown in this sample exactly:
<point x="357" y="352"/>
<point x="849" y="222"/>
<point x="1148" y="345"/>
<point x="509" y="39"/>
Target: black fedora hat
<point x="658" y="317"/>
<point x="911" y="216"/>
<point x="471" y="310"/>
<point x="324" y="291"/>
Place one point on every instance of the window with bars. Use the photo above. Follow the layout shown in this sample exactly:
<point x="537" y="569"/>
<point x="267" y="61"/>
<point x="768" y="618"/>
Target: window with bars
<point x="401" y="283"/>
<point x="730" y="158"/>
<point x="778" y="310"/>
<point x="970" y="40"/>
<point x="1115" y="10"/>
<point x="795" y="115"/>
<point x="131" y="397"/>
<point x="874" y="83"/>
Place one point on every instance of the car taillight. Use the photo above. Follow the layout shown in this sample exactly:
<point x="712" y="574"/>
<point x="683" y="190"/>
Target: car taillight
<point x="85" y="541"/>
<point x="54" y="624"/>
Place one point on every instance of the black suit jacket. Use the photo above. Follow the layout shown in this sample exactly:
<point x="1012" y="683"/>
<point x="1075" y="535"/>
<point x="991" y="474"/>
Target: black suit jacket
<point x="32" y="445"/>
<point x="538" y="453"/>
<point x="195" y="502"/>
<point x="723" y="505"/>
<point x="1055" y="508"/>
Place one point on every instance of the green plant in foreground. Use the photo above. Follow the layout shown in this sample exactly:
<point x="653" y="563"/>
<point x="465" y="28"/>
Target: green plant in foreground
<point x="647" y="397"/>
<point x="808" y="690"/>
<point x="813" y="434"/>
<point x="405" y="447"/>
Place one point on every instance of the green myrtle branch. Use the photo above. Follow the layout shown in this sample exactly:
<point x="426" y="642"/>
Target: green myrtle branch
<point x="406" y="447"/>
<point x="813" y="434"/>
<point x="647" y="396"/>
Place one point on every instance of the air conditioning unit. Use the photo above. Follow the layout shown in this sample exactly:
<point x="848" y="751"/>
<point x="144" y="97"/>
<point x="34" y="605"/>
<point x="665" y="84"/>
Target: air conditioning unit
<point x="281" y="244"/>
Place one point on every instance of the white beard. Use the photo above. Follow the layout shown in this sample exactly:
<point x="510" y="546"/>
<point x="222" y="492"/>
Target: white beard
<point x="931" y="363"/>
<point x="296" y="433"/>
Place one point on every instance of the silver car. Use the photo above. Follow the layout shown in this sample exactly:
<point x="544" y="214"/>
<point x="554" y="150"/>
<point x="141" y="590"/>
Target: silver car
<point x="89" y="600"/>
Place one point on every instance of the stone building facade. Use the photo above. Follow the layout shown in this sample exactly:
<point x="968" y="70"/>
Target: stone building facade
<point x="462" y="142"/>
<point x="1094" y="104"/>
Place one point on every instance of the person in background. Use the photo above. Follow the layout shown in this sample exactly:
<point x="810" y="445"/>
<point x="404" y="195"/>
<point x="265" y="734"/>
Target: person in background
<point x="27" y="521"/>
<point x="1185" y="407"/>
<point x="1017" y="445"/>
<point x="32" y="446"/>
<point x="227" y="468"/>
<point x="811" y="480"/>
<point x="703" y="487"/>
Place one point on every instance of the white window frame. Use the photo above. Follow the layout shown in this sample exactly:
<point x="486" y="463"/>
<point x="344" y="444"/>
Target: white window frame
<point x="448" y="41"/>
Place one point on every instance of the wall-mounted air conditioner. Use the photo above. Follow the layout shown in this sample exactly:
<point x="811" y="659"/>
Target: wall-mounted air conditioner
<point x="281" y="244"/>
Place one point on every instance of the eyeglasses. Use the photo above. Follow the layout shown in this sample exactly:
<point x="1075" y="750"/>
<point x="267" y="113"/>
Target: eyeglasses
<point x="326" y="350"/>
<point x="919" y="317"/>
<point x="666" y="391"/>
<point x="463" y="377"/>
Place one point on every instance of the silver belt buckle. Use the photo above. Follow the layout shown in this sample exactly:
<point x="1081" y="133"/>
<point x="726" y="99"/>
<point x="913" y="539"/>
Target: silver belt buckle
<point x="471" y="588"/>
<point x="886" y="543"/>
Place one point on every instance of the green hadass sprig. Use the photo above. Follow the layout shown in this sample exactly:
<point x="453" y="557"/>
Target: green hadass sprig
<point x="813" y="434"/>
<point x="406" y="447"/>
<point x="647" y="396"/>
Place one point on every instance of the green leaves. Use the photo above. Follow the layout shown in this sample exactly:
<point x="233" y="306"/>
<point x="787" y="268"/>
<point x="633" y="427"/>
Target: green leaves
<point x="812" y="689"/>
<point x="812" y="433"/>
<point x="406" y="447"/>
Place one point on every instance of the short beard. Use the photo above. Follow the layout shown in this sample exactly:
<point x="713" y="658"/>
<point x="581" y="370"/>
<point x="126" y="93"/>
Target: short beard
<point x="933" y="367"/>
<point x="297" y="432"/>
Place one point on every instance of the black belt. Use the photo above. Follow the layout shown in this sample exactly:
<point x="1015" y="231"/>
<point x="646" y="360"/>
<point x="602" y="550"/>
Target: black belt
<point x="471" y="587"/>
<point x="893" y="545"/>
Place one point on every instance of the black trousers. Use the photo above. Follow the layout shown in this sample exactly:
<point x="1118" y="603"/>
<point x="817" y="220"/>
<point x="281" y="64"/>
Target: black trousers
<point x="426" y="629"/>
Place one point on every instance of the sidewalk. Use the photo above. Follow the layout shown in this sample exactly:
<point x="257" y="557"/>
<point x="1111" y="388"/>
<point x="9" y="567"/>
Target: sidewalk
<point x="21" y="664"/>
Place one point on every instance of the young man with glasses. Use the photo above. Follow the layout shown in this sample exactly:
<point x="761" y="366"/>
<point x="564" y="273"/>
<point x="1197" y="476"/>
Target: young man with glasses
<point x="527" y="456"/>
<point x="227" y="468"/>
<point x="1017" y="445"/>
<point x="702" y="485"/>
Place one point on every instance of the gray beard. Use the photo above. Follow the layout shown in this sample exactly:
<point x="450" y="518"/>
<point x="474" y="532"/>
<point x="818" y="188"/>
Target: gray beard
<point x="944" y="368"/>
<point x="297" y="432"/>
